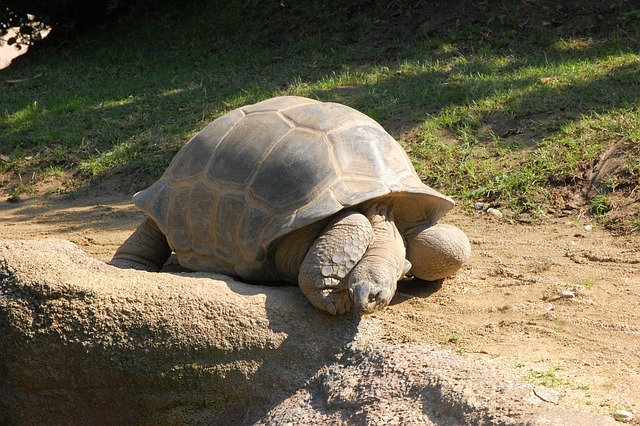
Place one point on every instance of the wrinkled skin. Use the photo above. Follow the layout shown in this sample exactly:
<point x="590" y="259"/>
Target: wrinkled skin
<point x="355" y="263"/>
<point x="373" y="281"/>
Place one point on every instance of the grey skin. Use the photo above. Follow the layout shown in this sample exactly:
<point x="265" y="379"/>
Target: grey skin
<point x="357" y="260"/>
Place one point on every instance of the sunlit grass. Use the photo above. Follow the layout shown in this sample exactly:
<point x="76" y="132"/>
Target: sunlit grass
<point x="546" y="378"/>
<point x="503" y="118"/>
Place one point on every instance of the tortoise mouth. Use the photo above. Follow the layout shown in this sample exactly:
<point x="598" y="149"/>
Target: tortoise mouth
<point x="364" y="300"/>
<point x="367" y="297"/>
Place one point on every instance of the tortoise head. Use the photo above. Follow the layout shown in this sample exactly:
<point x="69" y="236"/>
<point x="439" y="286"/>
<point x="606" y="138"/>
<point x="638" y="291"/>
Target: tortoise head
<point x="372" y="291"/>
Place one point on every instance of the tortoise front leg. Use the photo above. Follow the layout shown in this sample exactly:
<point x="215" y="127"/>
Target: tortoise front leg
<point x="146" y="249"/>
<point x="326" y="266"/>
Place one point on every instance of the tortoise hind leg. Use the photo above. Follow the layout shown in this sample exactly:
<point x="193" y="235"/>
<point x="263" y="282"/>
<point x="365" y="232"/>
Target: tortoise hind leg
<point x="436" y="251"/>
<point x="146" y="249"/>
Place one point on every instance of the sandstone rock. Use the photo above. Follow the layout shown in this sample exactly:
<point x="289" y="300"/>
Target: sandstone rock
<point x="623" y="416"/>
<point x="86" y="343"/>
<point x="494" y="212"/>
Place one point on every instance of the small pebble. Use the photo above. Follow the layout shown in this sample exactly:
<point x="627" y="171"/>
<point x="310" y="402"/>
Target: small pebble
<point x="478" y="206"/>
<point x="567" y="294"/>
<point x="588" y="228"/>
<point x="623" y="416"/>
<point x="494" y="212"/>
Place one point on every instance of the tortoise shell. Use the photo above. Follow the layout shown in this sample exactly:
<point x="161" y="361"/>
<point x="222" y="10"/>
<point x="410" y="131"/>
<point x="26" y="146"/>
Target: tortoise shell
<point x="261" y="171"/>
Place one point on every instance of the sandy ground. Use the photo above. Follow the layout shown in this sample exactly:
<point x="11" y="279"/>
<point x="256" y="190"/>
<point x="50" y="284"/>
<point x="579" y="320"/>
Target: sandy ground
<point x="505" y="306"/>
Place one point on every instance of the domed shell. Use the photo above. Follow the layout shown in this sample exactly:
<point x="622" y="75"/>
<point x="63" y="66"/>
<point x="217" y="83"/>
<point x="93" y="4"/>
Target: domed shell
<point x="264" y="170"/>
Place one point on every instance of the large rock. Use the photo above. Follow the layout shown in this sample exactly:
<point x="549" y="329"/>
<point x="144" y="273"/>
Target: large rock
<point x="85" y="343"/>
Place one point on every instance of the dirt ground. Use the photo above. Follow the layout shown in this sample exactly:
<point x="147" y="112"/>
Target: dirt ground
<point x="505" y="305"/>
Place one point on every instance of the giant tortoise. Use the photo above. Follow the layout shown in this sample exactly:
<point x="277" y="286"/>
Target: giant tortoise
<point x="296" y="190"/>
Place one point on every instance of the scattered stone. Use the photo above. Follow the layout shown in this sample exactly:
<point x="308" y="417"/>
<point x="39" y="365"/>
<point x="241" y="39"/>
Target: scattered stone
<point x="623" y="416"/>
<point x="588" y="228"/>
<point x="567" y="294"/>
<point x="478" y="206"/>
<point x="494" y="212"/>
<point x="546" y="394"/>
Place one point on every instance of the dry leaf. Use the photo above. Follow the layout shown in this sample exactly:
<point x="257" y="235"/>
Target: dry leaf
<point x="545" y="80"/>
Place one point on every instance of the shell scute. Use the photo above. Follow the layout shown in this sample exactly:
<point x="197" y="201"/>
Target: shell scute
<point x="229" y="211"/>
<point x="155" y="202"/>
<point x="180" y="240"/>
<point x="294" y="173"/>
<point x="323" y="206"/>
<point x="356" y="156"/>
<point x="201" y="215"/>
<point x="195" y="154"/>
<point x="325" y="117"/>
<point x="281" y="103"/>
<point x="250" y="231"/>
<point x="242" y="151"/>
<point x="351" y="191"/>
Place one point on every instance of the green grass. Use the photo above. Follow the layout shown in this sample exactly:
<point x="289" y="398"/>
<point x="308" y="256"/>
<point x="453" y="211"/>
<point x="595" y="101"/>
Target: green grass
<point x="588" y="283"/>
<point x="454" y="338"/>
<point x="635" y="223"/>
<point x="600" y="205"/>
<point x="512" y="117"/>
<point x="546" y="378"/>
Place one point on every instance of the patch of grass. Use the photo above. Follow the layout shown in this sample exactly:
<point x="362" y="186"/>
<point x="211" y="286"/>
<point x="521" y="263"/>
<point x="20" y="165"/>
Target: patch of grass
<point x="17" y="191"/>
<point x="546" y="378"/>
<point x="490" y="107"/>
<point x="454" y="338"/>
<point x="600" y="205"/>
<point x="635" y="223"/>
<point x="53" y="171"/>
<point x="72" y="195"/>
<point x="588" y="283"/>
